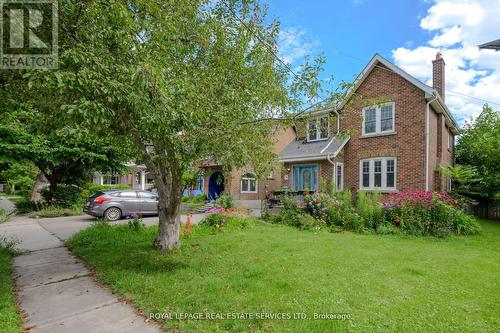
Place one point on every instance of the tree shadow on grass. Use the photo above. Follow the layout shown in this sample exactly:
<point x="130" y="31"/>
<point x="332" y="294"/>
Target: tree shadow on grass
<point x="146" y="260"/>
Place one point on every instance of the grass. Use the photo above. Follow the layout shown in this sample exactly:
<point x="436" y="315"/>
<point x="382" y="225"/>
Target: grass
<point x="10" y="320"/>
<point x="383" y="283"/>
<point x="54" y="211"/>
<point x="3" y="215"/>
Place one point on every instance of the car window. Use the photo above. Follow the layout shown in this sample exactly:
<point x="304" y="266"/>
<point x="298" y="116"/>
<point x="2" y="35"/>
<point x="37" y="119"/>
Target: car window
<point x="146" y="195"/>
<point x="128" y="194"/>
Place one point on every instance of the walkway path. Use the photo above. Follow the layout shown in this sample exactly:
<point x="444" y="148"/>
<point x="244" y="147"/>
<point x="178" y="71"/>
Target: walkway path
<point x="7" y="205"/>
<point x="56" y="290"/>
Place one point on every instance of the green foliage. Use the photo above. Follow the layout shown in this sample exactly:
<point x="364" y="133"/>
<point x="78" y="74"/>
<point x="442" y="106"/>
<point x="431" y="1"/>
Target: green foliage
<point x="135" y="223"/>
<point x="20" y="176"/>
<point x="63" y="195"/>
<point x="184" y="77"/>
<point x="369" y="208"/>
<point x="477" y="149"/>
<point x="196" y="199"/>
<point x="10" y="318"/>
<point x="221" y="221"/>
<point x="323" y="185"/>
<point x="3" y="215"/>
<point x="52" y="211"/>
<point x="225" y="200"/>
<point x="438" y="219"/>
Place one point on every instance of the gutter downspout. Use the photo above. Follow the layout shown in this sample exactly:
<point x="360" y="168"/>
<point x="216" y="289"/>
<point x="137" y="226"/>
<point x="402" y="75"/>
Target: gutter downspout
<point x="338" y="130"/>
<point x="427" y="110"/>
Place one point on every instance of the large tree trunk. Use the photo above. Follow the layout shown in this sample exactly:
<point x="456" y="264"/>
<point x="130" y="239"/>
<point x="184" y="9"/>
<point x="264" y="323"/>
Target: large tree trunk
<point x="40" y="183"/>
<point x="168" y="236"/>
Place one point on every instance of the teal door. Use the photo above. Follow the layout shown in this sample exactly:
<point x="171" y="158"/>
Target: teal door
<point x="305" y="177"/>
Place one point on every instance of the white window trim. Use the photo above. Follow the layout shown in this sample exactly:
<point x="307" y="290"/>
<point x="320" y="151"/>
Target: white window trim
<point x="249" y="179"/>
<point x="378" y="116"/>
<point x="371" y="161"/>
<point x="337" y="187"/>
<point x="318" y="132"/>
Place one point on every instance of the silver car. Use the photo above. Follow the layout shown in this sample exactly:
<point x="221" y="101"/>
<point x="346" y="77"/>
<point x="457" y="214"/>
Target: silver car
<point x="115" y="204"/>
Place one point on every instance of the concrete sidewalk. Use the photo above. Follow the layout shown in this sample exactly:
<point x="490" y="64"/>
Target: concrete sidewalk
<point x="56" y="290"/>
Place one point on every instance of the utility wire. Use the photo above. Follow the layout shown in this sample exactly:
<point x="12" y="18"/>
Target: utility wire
<point x="387" y="69"/>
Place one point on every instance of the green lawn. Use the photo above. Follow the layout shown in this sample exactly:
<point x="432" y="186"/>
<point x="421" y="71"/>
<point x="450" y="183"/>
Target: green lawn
<point x="10" y="320"/>
<point x="384" y="283"/>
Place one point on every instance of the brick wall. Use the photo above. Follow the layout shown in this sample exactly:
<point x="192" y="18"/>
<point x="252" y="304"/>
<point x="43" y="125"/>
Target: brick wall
<point x="407" y="145"/>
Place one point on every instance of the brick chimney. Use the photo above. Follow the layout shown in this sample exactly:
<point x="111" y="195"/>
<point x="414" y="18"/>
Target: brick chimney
<point x="438" y="74"/>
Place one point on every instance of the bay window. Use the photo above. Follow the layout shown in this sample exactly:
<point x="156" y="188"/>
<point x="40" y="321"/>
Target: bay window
<point x="378" y="119"/>
<point x="378" y="173"/>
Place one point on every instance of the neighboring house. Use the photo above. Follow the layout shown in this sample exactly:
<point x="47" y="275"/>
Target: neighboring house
<point x="138" y="179"/>
<point x="393" y="134"/>
<point x="493" y="45"/>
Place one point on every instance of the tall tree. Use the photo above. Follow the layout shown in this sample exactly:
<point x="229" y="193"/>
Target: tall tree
<point x="478" y="147"/>
<point x="182" y="80"/>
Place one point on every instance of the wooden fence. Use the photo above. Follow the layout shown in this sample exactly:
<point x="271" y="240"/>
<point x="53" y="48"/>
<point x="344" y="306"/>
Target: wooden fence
<point x="486" y="209"/>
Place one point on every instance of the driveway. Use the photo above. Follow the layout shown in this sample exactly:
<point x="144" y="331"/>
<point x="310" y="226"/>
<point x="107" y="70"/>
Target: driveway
<point x="56" y="290"/>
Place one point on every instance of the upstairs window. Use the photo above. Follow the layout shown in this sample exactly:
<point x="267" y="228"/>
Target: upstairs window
<point x="248" y="183"/>
<point x="317" y="129"/>
<point x="378" y="119"/>
<point x="378" y="173"/>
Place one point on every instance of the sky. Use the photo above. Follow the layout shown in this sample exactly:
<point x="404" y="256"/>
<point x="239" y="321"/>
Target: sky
<point x="408" y="33"/>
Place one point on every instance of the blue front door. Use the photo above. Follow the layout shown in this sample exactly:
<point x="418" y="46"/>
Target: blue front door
<point x="215" y="185"/>
<point x="305" y="177"/>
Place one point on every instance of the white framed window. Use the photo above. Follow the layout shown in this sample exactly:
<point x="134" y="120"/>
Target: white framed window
<point x="378" y="119"/>
<point x="317" y="128"/>
<point x="338" y="176"/>
<point x="377" y="173"/>
<point x="450" y="140"/>
<point x="110" y="179"/>
<point x="248" y="183"/>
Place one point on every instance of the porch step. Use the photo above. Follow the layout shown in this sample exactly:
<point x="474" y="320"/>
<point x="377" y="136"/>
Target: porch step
<point x="206" y="207"/>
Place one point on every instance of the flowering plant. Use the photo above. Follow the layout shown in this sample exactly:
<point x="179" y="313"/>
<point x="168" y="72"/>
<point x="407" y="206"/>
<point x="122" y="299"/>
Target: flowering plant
<point x="216" y="210"/>
<point x="420" y="198"/>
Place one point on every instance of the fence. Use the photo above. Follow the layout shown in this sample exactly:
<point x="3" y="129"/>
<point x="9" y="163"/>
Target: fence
<point x="486" y="209"/>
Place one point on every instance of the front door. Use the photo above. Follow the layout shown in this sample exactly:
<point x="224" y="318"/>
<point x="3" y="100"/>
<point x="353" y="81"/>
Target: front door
<point x="305" y="177"/>
<point x="215" y="185"/>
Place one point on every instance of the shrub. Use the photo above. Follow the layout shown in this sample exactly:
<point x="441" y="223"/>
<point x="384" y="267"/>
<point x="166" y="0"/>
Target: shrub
<point x="369" y="208"/>
<point x="63" y="195"/>
<point x="427" y="213"/>
<point x="214" y="220"/>
<point x="225" y="200"/>
<point x="54" y="211"/>
<point x="136" y="222"/>
<point x="387" y="229"/>
<point x="219" y="221"/>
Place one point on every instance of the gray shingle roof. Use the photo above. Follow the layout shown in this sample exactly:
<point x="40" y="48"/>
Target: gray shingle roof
<point x="301" y="149"/>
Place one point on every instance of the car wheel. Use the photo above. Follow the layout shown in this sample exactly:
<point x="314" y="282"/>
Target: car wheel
<point x="113" y="214"/>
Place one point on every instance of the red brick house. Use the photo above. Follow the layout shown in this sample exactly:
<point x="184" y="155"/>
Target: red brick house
<point x="391" y="133"/>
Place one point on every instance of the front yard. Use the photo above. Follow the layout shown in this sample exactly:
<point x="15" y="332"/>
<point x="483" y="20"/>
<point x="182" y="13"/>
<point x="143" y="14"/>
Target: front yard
<point x="382" y="283"/>
<point x="10" y="320"/>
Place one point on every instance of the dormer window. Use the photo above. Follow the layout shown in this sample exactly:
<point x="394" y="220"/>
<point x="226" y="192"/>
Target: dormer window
<point x="378" y="119"/>
<point x="317" y="129"/>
